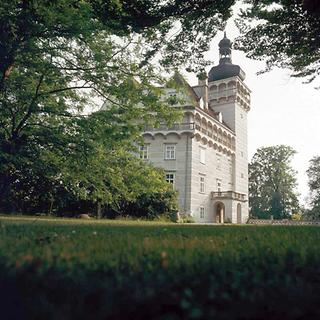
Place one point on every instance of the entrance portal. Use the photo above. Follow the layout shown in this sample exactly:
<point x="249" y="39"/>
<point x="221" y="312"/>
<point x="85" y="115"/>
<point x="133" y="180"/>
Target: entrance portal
<point x="239" y="213"/>
<point x="220" y="212"/>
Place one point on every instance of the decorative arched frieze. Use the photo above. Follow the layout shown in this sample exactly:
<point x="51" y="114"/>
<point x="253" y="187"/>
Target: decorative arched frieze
<point x="222" y="86"/>
<point x="148" y="135"/>
<point x="173" y="133"/>
<point x="197" y="136"/>
<point x="231" y="84"/>
<point x="204" y="140"/>
<point x="160" y="134"/>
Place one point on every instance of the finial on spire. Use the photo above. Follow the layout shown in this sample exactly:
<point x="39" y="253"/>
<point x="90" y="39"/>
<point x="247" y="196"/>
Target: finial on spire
<point x="225" y="34"/>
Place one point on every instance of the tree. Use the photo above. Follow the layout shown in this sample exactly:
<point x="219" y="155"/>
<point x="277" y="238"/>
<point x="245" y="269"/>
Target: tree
<point x="60" y="58"/>
<point x="285" y="33"/>
<point x="26" y="24"/>
<point x="118" y="181"/>
<point x="272" y="183"/>
<point x="313" y="173"/>
<point x="62" y="62"/>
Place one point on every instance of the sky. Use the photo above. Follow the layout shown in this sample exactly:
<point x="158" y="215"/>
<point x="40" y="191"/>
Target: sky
<point x="284" y="110"/>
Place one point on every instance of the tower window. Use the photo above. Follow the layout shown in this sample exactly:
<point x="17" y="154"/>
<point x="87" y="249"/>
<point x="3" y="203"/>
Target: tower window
<point x="218" y="161"/>
<point x="202" y="152"/>
<point x="219" y="185"/>
<point x="202" y="182"/>
<point x="170" y="152"/>
<point x="230" y="166"/>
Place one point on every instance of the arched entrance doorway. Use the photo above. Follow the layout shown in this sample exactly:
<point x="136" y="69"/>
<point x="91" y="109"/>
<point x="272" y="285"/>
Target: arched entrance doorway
<point x="239" y="213"/>
<point x="220" y="212"/>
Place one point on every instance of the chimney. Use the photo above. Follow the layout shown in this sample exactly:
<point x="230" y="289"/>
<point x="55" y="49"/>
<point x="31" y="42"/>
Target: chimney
<point x="203" y="83"/>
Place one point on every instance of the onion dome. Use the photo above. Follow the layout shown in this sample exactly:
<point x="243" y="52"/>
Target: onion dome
<point x="225" y="69"/>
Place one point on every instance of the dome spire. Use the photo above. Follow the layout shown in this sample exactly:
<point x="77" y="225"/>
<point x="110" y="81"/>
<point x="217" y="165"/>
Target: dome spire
<point x="225" y="69"/>
<point x="225" y="49"/>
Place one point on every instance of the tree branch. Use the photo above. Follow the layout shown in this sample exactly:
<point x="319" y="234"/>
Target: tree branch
<point x="30" y="108"/>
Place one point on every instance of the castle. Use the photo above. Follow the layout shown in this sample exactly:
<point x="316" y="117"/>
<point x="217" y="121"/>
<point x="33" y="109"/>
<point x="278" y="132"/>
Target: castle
<point x="205" y="155"/>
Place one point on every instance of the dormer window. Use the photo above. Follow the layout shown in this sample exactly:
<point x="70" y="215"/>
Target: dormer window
<point x="201" y="103"/>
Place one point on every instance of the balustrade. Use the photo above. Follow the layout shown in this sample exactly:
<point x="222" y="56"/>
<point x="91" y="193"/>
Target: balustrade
<point x="228" y="194"/>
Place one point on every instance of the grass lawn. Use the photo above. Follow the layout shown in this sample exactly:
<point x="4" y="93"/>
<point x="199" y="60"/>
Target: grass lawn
<point x="76" y="269"/>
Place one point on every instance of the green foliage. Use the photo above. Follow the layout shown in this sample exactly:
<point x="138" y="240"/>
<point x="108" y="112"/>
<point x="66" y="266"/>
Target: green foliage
<point x="313" y="174"/>
<point x="77" y="269"/>
<point x="175" y="29"/>
<point x="186" y="219"/>
<point x="272" y="183"/>
<point x="180" y="31"/>
<point x="58" y="63"/>
<point x="285" y="33"/>
<point x="296" y="216"/>
<point x="151" y="203"/>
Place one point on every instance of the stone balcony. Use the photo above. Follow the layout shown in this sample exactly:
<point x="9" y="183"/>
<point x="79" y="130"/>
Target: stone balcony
<point x="219" y="195"/>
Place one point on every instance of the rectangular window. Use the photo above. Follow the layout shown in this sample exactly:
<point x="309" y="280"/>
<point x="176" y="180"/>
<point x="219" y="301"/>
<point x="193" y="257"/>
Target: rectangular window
<point x="230" y="165"/>
<point x="202" y="152"/>
<point x="144" y="152"/>
<point x="170" y="152"/>
<point x="219" y="185"/>
<point x="218" y="161"/>
<point x="201" y="212"/>
<point x="170" y="178"/>
<point x="202" y="184"/>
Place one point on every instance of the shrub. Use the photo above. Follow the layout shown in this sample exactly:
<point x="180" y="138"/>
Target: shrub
<point x="149" y="205"/>
<point x="296" y="217"/>
<point x="186" y="219"/>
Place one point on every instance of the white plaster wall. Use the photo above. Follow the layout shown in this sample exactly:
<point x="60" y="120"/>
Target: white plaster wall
<point x="181" y="166"/>
<point x="211" y="173"/>
<point x="236" y="118"/>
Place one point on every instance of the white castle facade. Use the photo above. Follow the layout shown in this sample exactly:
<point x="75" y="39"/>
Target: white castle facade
<point x="205" y="156"/>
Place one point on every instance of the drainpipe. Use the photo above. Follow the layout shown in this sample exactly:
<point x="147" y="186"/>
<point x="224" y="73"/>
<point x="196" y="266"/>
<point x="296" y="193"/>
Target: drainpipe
<point x="186" y="176"/>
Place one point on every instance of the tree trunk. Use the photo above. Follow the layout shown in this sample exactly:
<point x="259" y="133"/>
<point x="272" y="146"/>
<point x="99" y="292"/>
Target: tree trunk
<point x="99" y="210"/>
<point x="6" y="193"/>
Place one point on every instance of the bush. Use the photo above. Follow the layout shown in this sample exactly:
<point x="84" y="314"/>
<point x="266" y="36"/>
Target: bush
<point x="186" y="219"/>
<point x="150" y="205"/>
<point x="296" y="217"/>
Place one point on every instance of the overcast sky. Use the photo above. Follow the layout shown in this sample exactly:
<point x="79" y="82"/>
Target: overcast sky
<point x="283" y="110"/>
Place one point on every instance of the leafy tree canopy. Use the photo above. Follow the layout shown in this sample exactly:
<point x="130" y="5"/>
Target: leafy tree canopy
<point x="286" y="33"/>
<point x="313" y="173"/>
<point x="180" y="30"/>
<point x="272" y="182"/>
<point x="58" y="61"/>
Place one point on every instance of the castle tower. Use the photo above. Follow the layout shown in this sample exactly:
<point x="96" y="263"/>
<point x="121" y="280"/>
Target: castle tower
<point x="204" y="156"/>
<point x="229" y="95"/>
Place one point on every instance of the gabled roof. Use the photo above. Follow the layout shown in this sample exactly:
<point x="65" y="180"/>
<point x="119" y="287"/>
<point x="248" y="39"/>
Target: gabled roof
<point x="180" y="82"/>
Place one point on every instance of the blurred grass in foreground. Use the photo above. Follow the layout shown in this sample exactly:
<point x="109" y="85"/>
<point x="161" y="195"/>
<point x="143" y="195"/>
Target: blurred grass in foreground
<point x="76" y="269"/>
